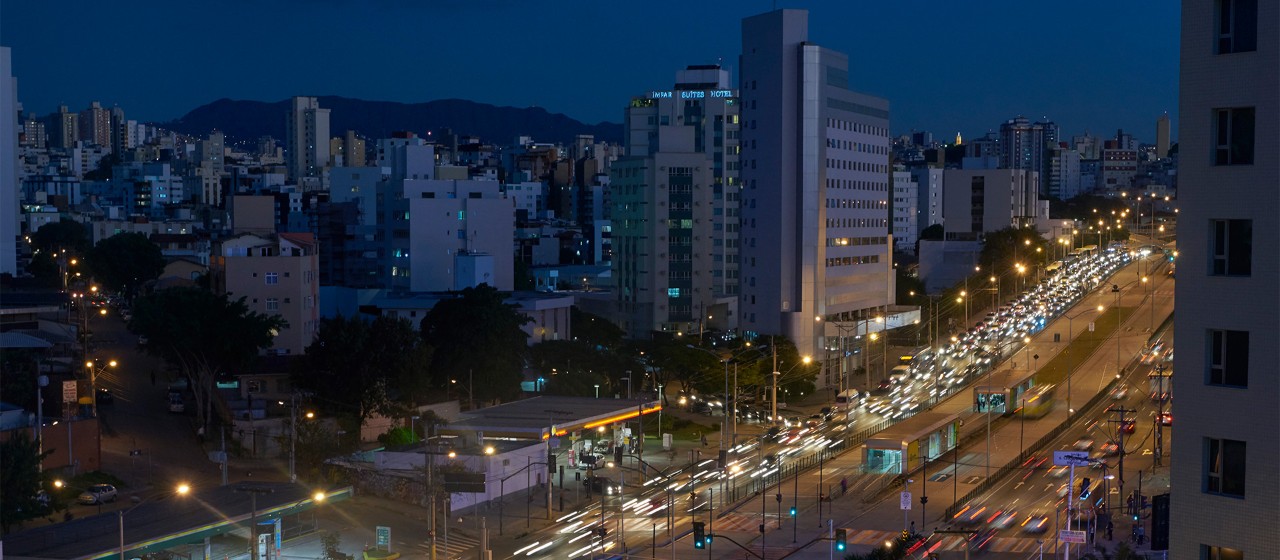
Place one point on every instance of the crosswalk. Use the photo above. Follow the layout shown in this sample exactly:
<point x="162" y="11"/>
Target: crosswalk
<point x="869" y="537"/>
<point x="459" y="546"/>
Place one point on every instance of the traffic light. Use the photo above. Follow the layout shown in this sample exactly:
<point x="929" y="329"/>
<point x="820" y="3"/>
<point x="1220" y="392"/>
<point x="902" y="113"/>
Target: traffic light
<point x="793" y="511"/>
<point x="778" y="497"/>
<point x="699" y="534"/>
<point x="1084" y="488"/>
<point x="842" y="537"/>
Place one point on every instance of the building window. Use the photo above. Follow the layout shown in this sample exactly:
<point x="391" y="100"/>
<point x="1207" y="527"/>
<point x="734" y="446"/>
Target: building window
<point x="1224" y="467"/>
<point x="1231" y="247"/>
<point x="256" y="386"/>
<point x="1220" y="553"/>
<point x="1233" y="136"/>
<point x="272" y="278"/>
<point x="1236" y="26"/>
<point x="673" y="292"/>
<point x="1228" y="356"/>
<point x="273" y="304"/>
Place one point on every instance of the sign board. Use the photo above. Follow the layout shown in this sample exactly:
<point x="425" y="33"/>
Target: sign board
<point x="68" y="391"/>
<point x="1090" y="326"/>
<point x="905" y="500"/>
<point x="1071" y="459"/>
<point x="1069" y="536"/>
<point x="218" y="456"/>
<point x="383" y="539"/>
<point x="666" y="441"/>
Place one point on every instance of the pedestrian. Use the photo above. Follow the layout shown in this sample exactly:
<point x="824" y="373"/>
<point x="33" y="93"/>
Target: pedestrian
<point x="1142" y="534"/>
<point x="913" y="527"/>
<point x="1111" y="527"/>
<point x="844" y="486"/>
<point x="704" y="440"/>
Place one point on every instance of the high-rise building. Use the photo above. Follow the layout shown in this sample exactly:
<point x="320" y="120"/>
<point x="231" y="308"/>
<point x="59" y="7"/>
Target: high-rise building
<point x="1064" y="173"/>
<point x="276" y="274"/>
<point x="307" y="138"/>
<point x="33" y="132"/>
<point x="95" y="126"/>
<point x="905" y="211"/>
<point x="978" y="201"/>
<point x="63" y="128"/>
<point x="675" y="206"/>
<point x="1162" y="136"/>
<point x="1023" y="144"/>
<point x="815" y="176"/>
<point x="929" y="199"/>
<point x="1225" y="495"/>
<point x="9" y="166"/>
<point x="460" y="235"/>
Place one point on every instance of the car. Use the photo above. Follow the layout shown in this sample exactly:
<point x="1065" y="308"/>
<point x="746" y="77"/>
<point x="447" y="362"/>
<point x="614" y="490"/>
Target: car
<point x="1129" y="426"/>
<point x="971" y="515"/>
<point x="1085" y="443"/>
<point x="104" y="396"/>
<point x="1119" y="393"/>
<point x="1110" y="449"/>
<point x="1004" y="519"/>
<point x="98" y="494"/>
<point x="1166" y="418"/>
<point x="602" y="485"/>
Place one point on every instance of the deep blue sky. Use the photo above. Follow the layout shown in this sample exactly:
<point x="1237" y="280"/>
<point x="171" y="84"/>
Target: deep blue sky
<point x="945" y="66"/>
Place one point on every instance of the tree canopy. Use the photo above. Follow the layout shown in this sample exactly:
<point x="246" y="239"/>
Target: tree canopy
<point x="20" y="480"/>
<point x="125" y="261"/>
<point x="357" y="367"/>
<point x="49" y="242"/>
<point x="477" y="339"/>
<point x="202" y="335"/>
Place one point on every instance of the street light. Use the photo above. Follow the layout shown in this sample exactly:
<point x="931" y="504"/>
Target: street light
<point x="93" y="379"/>
<point x="776" y="375"/>
<point x="181" y="490"/>
<point x="1070" y="334"/>
<point x="597" y="390"/>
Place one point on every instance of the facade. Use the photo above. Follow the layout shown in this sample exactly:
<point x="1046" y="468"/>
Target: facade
<point x="63" y="128"/>
<point x="276" y="274"/>
<point x="1118" y="168"/>
<point x="905" y="212"/>
<point x="929" y="198"/>
<point x="1225" y="495"/>
<point x="1064" y="173"/>
<point x="815" y="178"/>
<point x="675" y="205"/>
<point x="9" y="207"/>
<point x="460" y="235"/>
<point x="983" y="200"/>
<point x="307" y="138"/>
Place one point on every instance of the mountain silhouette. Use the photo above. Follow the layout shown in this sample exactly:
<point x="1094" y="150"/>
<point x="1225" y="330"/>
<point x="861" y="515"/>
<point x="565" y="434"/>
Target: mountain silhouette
<point x="242" y="120"/>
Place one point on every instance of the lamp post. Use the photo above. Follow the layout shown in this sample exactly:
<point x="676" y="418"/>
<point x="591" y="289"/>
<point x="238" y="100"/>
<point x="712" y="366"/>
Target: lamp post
<point x="597" y="390"/>
<point x="1070" y="334"/>
<point x="180" y="490"/>
<point x="776" y="376"/>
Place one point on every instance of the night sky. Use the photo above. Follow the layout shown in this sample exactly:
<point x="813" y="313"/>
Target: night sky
<point x="945" y="66"/>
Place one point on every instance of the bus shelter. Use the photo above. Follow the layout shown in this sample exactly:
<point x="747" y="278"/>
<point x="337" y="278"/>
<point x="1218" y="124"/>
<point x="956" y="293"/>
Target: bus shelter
<point x="909" y="443"/>
<point x="997" y="392"/>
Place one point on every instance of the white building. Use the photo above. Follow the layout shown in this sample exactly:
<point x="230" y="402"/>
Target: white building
<point x="9" y="166"/>
<point x="977" y="201"/>
<point x="1225" y="493"/>
<point x="1064" y="173"/>
<point x="906" y="209"/>
<point x="675" y="207"/>
<point x="460" y="235"/>
<point x="929" y="198"/>
<point x="815" y="170"/>
<point x="307" y="138"/>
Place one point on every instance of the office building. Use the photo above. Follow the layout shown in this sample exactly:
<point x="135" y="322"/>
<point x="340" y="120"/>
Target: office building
<point x="929" y="199"/>
<point x="63" y="128"/>
<point x="1225" y="496"/>
<point x="275" y="273"/>
<point x="675" y="206"/>
<point x="815" y="179"/>
<point x="1064" y="173"/>
<point x="307" y="138"/>
<point x="9" y="166"/>
<point x="1118" y="166"/>
<point x="1023" y="144"/>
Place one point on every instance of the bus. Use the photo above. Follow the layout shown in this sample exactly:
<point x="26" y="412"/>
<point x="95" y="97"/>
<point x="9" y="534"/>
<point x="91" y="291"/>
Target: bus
<point x="1160" y="384"/>
<point x="1037" y="402"/>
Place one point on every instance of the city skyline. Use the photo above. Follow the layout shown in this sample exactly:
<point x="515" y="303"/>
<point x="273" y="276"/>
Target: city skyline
<point x="1126" y="81"/>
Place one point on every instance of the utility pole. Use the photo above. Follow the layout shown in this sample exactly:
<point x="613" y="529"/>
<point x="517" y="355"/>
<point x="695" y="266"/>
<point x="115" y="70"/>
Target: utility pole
<point x="1120" y="423"/>
<point x="1158" y="452"/>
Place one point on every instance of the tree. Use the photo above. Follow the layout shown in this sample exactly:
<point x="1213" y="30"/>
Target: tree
<point x="357" y="368"/>
<point x="55" y="245"/>
<point x="933" y="232"/>
<point x="692" y="367"/>
<point x="20" y="480"/>
<point x="125" y="261"/>
<point x="331" y="546"/>
<point x="203" y="335"/>
<point x="476" y="338"/>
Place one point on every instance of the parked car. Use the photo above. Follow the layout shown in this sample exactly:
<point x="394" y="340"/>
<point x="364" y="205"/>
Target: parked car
<point x="105" y="396"/>
<point x="98" y="494"/>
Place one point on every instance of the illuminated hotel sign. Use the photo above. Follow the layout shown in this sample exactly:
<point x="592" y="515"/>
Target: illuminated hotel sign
<point x="702" y="94"/>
